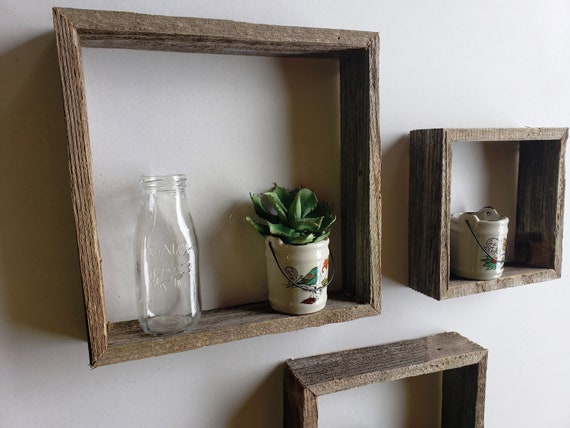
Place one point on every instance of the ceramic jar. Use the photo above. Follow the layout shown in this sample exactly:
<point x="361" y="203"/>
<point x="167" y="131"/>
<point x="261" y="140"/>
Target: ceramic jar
<point x="297" y="275"/>
<point x="478" y="244"/>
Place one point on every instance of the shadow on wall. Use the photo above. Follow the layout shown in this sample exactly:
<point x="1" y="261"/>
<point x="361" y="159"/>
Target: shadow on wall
<point x="313" y="86"/>
<point x="502" y="160"/>
<point x="40" y="284"/>
<point x="423" y="401"/>
<point x="395" y="170"/>
<point x="313" y="126"/>
<point x="264" y="408"/>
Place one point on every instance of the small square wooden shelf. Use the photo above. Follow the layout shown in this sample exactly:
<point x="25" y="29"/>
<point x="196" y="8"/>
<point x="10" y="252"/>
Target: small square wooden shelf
<point x="462" y="362"/>
<point x="539" y="208"/>
<point x="357" y="54"/>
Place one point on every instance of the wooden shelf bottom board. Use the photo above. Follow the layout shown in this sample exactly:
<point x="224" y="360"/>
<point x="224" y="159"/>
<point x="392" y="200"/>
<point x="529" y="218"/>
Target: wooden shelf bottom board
<point x="126" y="341"/>
<point x="512" y="276"/>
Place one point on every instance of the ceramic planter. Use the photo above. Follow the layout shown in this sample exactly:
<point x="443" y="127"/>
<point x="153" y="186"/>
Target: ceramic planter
<point x="297" y="276"/>
<point x="478" y="244"/>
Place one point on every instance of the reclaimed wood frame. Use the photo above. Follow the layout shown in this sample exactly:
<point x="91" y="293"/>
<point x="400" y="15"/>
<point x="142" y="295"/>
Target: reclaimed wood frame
<point x="463" y="365"/>
<point x="357" y="53"/>
<point x="539" y="209"/>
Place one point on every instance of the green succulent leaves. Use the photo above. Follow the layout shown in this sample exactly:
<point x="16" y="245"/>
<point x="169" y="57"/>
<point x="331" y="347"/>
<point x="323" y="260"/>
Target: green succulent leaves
<point x="294" y="215"/>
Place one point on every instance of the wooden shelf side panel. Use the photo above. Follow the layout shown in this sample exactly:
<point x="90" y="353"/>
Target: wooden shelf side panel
<point x="428" y="211"/>
<point x="360" y="174"/>
<point x="81" y="182"/>
<point x="463" y="396"/>
<point x="540" y="204"/>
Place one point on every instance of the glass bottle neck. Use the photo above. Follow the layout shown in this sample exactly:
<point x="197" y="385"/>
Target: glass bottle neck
<point x="163" y="183"/>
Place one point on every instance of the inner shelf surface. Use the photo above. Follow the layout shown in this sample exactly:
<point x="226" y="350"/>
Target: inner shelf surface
<point x="513" y="275"/>
<point x="126" y="340"/>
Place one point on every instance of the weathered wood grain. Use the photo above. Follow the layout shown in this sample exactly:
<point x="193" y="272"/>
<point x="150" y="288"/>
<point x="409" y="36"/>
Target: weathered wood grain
<point x="463" y="396"/>
<point x="79" y="153"/>
<point x="540" y="206"/>
<point x="300" y="406"/>
<point x="127" y="341"/>
<point x="310" y="377"/>
<point x="428" y="246"/>
<point x="167" y="33"/>
<point x="514" y="275"/>
<point x="360" y="173"/>
<point x="357" y="53"/>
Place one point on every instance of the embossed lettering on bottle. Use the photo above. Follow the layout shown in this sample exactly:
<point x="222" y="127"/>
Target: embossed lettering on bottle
<point x="165" y="274"/>
<point x="167" y="258"/>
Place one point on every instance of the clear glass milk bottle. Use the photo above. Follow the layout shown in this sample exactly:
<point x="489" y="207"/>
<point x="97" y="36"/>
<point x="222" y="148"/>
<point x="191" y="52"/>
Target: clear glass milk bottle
<point x="167" y="258"/>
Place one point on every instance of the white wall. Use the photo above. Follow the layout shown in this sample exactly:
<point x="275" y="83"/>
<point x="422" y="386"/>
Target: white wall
<point x="442" y="64"/>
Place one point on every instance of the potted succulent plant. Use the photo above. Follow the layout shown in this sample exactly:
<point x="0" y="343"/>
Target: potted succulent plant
<point x="296" y="227"/>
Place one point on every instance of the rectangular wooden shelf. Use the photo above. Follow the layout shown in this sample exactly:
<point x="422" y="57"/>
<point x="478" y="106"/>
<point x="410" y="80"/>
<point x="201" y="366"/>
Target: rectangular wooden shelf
<point x="357" y="54"/>
<point x="462" y="362"/>
<point x="539" y="209"/>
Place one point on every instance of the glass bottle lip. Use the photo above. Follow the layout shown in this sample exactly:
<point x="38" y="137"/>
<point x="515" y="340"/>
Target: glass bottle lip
<point x="163" y="182"/>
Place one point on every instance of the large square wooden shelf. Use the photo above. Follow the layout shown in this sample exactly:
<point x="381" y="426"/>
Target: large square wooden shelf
<point x="539" y="208"/>
<point x="357" y="54"/>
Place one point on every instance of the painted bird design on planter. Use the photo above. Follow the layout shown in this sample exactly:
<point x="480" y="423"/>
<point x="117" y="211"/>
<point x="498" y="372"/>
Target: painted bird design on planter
<point x="492" y="252"/>
<point x="307" y="282"/>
